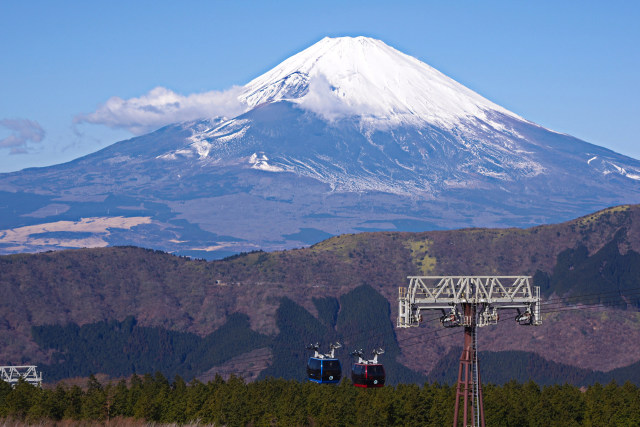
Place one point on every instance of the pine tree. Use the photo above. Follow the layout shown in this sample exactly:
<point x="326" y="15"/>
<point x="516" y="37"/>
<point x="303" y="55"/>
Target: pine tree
<point x="73" y="409"/>
<point x="20" y="400"/>
<point x="120" y="401"/>
<point x="94" y="404"/>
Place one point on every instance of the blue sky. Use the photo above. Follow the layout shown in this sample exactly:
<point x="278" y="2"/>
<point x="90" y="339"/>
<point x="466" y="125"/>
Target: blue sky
<point x="570" y="66"/>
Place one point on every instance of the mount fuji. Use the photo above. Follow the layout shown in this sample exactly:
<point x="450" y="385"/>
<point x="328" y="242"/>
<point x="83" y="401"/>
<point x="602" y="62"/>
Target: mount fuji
<point x="348" y="135"/>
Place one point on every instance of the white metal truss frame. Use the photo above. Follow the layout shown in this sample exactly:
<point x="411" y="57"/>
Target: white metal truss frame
<point x="316" y="347"/>
<point x="374" y="361"/>
<point x="29" y="374"/>
<point x="445" y="292"/>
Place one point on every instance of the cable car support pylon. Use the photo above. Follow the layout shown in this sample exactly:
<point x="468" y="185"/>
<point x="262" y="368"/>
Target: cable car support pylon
<point x="478" y="298"/>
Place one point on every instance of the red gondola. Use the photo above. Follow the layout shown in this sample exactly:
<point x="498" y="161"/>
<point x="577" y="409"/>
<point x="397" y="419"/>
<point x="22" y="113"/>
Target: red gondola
<point x="368" y="373"/>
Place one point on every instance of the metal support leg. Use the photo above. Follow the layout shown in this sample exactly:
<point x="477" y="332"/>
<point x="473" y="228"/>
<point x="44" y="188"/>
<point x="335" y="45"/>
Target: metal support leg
<point x="467" y="387"/>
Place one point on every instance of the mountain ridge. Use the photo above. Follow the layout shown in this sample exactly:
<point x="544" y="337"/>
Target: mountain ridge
<point x="85" y="286"/>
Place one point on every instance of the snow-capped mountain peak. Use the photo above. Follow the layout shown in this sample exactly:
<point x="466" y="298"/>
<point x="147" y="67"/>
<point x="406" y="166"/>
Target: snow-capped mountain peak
<point x="409" y="149"/>
<point x="416" y="131"/>
<point x="364" y="77"/>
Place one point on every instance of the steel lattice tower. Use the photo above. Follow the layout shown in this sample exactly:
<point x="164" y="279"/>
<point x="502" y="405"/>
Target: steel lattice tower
<point x="478" y="298"/>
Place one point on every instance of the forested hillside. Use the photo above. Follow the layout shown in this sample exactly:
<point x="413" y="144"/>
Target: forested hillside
<point x="120" y="349"/>
<point x="336" y="289"/>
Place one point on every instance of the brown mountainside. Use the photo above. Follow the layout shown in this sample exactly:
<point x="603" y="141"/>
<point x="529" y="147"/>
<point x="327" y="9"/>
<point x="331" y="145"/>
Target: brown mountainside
<point x="88" y="285"/>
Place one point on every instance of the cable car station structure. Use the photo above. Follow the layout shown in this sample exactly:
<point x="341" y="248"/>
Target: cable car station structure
<point x="470" y="302"/>
<point x="29" y="374"/>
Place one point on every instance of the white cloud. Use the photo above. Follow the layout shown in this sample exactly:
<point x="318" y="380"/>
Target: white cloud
<point x="162" y="106"/>
<point x="323" y="100"/>
<point x="331" y="104"/>
<point x="23" y="131"/>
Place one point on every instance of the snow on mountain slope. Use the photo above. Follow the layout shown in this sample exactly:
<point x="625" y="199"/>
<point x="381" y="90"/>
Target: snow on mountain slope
<point x="364" y="77"/>
<point x="387" y="122"/>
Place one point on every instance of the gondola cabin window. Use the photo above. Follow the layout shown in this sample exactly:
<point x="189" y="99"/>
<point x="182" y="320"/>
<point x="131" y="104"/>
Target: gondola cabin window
<point x="324" y="371"/>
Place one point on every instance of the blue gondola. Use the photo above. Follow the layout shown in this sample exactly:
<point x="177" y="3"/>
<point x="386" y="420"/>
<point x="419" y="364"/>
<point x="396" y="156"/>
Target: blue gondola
<point x="324" y="368"/>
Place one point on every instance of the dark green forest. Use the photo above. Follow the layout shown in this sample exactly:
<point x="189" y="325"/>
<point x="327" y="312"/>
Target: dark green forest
<point x="122" y="348"/>
<point x="287" y="402"/>
<point x="500" y="367"/>
<point x="612" y="278"/>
